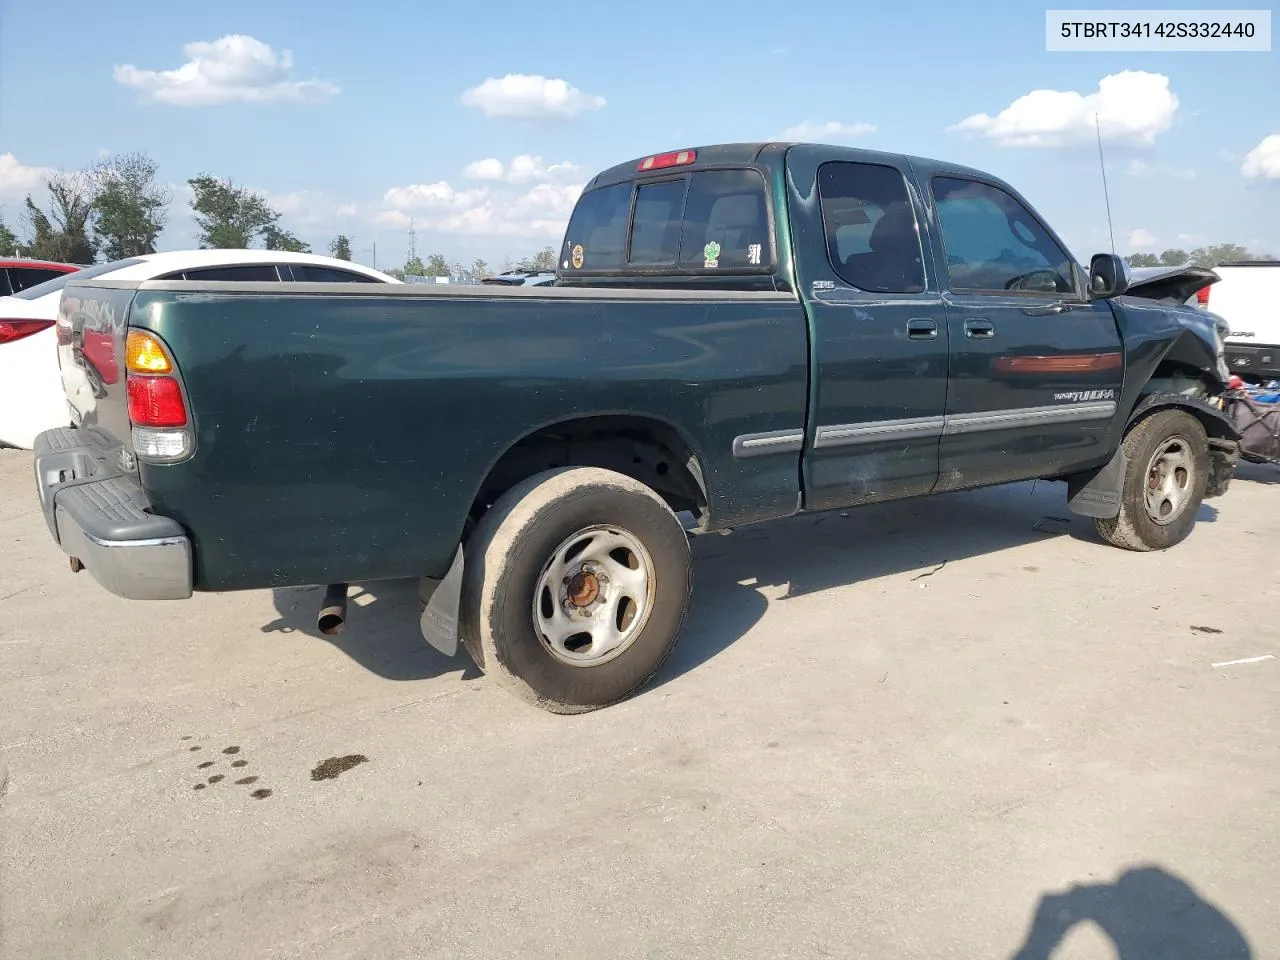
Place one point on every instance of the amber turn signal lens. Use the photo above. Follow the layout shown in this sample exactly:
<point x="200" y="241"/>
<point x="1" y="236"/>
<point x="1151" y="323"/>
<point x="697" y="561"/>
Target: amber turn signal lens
<point x="144" y="354"/>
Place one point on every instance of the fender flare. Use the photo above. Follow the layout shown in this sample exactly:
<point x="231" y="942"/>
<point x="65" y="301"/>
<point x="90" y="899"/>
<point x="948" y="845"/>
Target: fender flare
<point x="1096" y="493"/>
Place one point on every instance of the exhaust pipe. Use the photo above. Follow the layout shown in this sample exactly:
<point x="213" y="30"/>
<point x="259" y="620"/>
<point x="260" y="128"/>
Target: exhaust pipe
<point x="333" y="610"/>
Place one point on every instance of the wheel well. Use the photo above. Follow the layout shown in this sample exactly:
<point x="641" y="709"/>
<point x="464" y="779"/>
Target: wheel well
<point x="646" y="450"/>
<point x="1180" y="378"/>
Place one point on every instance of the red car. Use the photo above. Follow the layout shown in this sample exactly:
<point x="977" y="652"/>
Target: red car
<point x="18" y="273"/>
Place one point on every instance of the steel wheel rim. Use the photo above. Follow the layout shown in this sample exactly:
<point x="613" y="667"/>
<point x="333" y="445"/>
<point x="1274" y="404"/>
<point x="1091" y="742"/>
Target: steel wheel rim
<point x="594" y="595"/>
<point x="1170" y="480"/>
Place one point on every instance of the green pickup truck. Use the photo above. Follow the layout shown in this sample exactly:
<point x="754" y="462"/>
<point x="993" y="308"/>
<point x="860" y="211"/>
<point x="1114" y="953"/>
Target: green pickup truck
<point x="736" y="333"/>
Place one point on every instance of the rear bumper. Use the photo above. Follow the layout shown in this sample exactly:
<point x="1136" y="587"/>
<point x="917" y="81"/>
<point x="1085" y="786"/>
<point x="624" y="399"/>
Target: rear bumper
<point x="1253" y="360"/>
<point x="99" y="516"/>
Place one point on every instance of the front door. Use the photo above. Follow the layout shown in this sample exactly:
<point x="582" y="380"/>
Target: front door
<point x="878" y="333"/>
<point x="1036" y="368"/>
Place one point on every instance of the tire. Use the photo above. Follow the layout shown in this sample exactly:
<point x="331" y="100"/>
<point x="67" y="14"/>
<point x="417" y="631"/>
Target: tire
<point x="519" y="555"/>
<point x="1172" y="449"/>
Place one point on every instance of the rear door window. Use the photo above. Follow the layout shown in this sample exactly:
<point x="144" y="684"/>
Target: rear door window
<point x="873" y="240"/>
<point x="655" y="228"/>
<point x="316" y="274"/>
<point x="726" y="222"/>
<point x="246" y="273"/>
<point x="24" y="277"/>
<point x="596" y="238"/>
<point x="5" y="287"/>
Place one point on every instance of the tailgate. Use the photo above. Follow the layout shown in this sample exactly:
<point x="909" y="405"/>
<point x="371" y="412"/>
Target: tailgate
<point x="92" y="325"/>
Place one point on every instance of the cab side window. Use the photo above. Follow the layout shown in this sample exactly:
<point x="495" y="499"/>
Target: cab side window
<point x="994" y="244"/>
<point x="873" y="240"/>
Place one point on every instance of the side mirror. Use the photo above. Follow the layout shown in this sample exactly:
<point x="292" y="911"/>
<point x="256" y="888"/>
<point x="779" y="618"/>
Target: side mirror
<point x="1108" y="276"/>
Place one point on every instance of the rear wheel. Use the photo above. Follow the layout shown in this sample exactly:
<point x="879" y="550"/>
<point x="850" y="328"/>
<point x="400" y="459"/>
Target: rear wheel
<point x="1164" y="484"/>
<point x="576" y="583"/>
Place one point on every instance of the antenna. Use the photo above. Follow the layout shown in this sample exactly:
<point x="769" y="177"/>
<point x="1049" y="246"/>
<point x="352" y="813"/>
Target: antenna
<point x="1106" y="195"/>
<point x="413" y="242"/>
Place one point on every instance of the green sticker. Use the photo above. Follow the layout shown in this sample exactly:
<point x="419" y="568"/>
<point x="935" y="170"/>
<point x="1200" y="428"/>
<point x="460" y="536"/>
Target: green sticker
<point x="711" y="254"/>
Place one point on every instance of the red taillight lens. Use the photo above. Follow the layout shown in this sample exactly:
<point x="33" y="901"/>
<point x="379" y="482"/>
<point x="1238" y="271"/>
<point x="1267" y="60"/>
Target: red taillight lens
<point x="664" y="160"/>
<point x="1202" y="296"/>
<point x="156" y="402"/>
<point x="11" y="330"/>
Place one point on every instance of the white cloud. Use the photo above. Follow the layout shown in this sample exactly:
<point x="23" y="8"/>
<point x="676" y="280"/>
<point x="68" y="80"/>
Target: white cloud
<point x="1142" y="240"/>
<point x="529" y="97"/>
<point x="1142" y="168"/>
<point x="1132" y="106"/>
<point x="540" y="212"/>
<point x="489" y="168"/>
<point x="347" y="210"/>
<point x="832" y="130"/>
<point x="17" y="179"/>
<point x="523" y="169"/>
<point x="1263" y="160"/>
<point x="234" y="68"/>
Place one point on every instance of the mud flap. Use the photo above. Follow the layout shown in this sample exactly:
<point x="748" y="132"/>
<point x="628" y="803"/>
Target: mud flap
<point x="439" y="620"/>
<point x="1097" y="493"/>
<point x="1224" y="455"/>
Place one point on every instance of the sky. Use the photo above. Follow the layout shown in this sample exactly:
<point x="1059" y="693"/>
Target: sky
<point x="482" y="124"/>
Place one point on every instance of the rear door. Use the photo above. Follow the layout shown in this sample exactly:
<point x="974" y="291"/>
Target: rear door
<point x="1036" y="368"/>
<point x="877" y="327"/>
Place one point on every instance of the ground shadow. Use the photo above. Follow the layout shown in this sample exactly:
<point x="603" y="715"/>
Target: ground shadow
<point x="811" y="553"/>
<point x="805" y="554"/>
<point x="381" y="634"/>
<point x="1268" y="473"/>
<point x="1148" y="913"/>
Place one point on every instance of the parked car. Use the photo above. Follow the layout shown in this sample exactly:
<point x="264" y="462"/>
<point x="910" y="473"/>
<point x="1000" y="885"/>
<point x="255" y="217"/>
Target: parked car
<point x="523" y="278"/>
<point x="1247" y="297"/>
<point x="17" y="274"/>
<point x="31" y="392"/>
<point x="737" y="333"/>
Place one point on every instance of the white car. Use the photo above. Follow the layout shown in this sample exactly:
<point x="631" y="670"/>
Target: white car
<point x="1248" y="298"/>
<point x="31" y="390"/>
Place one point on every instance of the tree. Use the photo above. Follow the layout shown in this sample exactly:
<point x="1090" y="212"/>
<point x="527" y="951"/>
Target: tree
<point x="130" y="208"/>
<point x="276" y="239"/>
<point x="414" y="267"/>
<point x="1173" y="258"/>
<point x="1142" y="260"/>
<point x="229" y="216"/>
<point x="479" y="269"/>
<point x="8" y="240"/>
<point x="1218" y="253"/>
<point x="341" y="247"/>
<point x="545" y="260"/>
<point x="437" y="265"/>
<point x="64" y="232"/>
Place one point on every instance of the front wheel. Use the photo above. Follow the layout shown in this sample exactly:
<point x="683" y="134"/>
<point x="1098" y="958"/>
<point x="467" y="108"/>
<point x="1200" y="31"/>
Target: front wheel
<point x="1164" y="484"/>
<point x="576" y="583"/>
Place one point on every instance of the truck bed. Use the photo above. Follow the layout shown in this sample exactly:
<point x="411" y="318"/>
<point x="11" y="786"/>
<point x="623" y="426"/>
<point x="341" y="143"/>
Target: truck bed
<point x="331" y="419"/>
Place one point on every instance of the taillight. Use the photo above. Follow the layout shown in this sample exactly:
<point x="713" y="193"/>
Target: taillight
<point x="12" y="330"/>
<point x="663" y="160"/>
<point x="156" y="402"/>
<point x="157" y="409"/>
<point x="1202" y="296"/>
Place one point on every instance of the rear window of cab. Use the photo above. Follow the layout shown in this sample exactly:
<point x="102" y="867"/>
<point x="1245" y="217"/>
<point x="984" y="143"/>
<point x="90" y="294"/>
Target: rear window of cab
<point x="708" y="222"/>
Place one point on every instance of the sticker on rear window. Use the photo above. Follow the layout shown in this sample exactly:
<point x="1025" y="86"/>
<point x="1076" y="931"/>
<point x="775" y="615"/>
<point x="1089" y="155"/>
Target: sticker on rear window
<point x="753" y="254"/>
<point x="577" y="257"/>
<point x="711" y="255"/>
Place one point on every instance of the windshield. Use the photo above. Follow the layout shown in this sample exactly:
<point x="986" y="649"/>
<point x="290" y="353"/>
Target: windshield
<point x="57" y="283"/>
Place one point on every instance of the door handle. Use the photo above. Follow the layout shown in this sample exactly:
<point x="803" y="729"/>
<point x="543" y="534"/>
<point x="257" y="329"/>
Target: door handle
<point x="976" y="328"/>
<point x="1046" y="311"/>
<point x="919" y="329"/>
